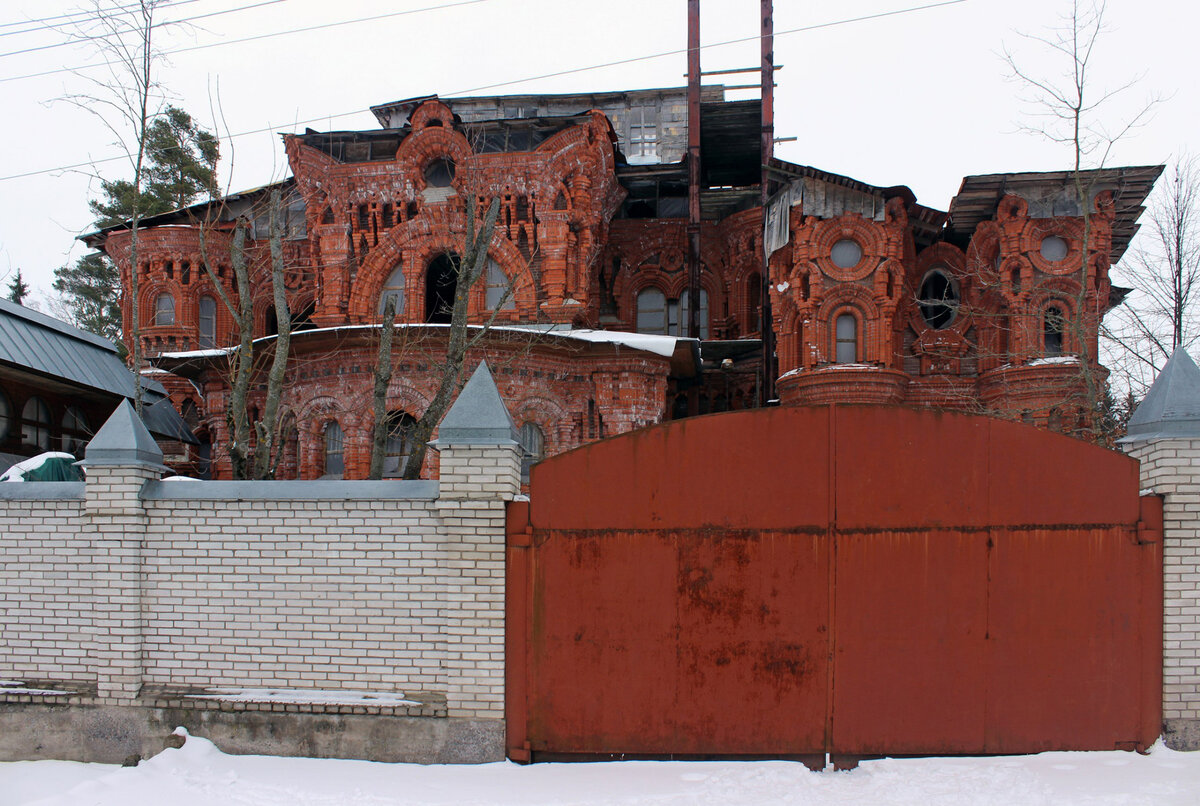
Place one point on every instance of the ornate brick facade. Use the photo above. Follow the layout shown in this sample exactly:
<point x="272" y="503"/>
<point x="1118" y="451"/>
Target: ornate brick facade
<point x="874" y="297"/>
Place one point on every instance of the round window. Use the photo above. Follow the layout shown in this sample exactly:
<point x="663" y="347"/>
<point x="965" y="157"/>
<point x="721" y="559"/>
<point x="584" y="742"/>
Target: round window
<point x="439" y="173"/>
<point x="846" y="253"/>
<point x="938" y="299"/>
<point x="1054" y="248"/>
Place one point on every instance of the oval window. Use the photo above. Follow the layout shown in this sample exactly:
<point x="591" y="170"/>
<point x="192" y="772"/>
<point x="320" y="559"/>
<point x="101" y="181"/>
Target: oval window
<point x="1054" y="248"/>
<point x="938" y="299"/>
<point x="846" y="253"/>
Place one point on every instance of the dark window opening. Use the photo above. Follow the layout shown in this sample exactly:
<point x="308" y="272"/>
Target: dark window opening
<point x="302" y="320"/>
<point x="439" y="173"/>
<point x="846" y="333"/>
<point x="533" y="445"/>
<point x="938" y="300"/>
<point x="754" y="298"/>
<point x="441" y="281"/>
<point x="208" y="322"/>
<point x="1052" y="332"/>
<point x="270" y="322"/>
<point x="399" y="445"/>
<point x="333" y="465"/>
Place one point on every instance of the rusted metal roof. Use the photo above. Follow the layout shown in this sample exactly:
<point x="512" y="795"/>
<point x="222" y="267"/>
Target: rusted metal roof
<point x="1052" y="193"/>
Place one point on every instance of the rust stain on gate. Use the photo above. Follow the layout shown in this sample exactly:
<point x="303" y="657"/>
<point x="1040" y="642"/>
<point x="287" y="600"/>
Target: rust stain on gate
<point x="852" y="580"/>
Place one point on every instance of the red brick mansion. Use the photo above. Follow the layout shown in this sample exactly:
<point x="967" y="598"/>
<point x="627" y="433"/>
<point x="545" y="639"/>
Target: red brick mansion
<point x="992" y="306"/>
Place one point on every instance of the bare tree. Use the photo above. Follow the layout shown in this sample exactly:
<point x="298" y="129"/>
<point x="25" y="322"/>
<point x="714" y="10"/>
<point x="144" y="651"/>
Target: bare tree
<point x="459" y="339"/>
<point x="383" y="376"/>
<point x="1069" y="109"/>
<point x="125" y="100"/>
<point x="1163" y="311"/>
<point x="267" y="428"/>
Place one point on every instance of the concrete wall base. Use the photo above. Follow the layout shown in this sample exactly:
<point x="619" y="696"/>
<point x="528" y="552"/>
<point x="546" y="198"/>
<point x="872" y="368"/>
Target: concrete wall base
<point x="112" y="734"/>
<point x="1182" y="734"/>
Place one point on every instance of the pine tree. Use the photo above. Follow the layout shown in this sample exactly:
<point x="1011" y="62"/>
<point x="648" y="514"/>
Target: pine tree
<point x="18" y="289"/>
<point x="181" y="168"/>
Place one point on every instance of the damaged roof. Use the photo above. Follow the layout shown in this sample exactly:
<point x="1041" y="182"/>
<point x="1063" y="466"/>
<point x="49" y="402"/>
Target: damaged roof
<point x="1052" y="193"/>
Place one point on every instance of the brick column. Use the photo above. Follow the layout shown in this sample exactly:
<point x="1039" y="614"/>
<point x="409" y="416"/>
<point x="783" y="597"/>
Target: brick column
<point x="1164" y="436"/>
<point x="480" y="470"/>
<point x="119" y="460"/>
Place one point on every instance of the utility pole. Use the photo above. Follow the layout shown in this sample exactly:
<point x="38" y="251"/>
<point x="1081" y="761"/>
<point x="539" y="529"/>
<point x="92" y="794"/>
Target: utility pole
<point x="693" y="152"/>
<point x="766" y="324"/>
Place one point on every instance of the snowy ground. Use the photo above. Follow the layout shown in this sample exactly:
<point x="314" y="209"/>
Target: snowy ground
<point x="200" y="774"/>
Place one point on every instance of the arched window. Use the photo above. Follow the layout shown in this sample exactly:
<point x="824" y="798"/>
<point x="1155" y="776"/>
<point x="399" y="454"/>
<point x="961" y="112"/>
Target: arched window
<point x="684" y="314"/>
<point x="75" y="431"/>
<point x="1052" y="331"/>
<point x="846" y="339"/>
<point x="652" y="311"/>
<point x="164" y="310"/>
<point x="533" y="445"/>
<point x="393" y="287"/>
<point x="6" y="413"/>
<point x="35" y="430"/>
<point x="754" y="302"/>
<point x="497" y="287"/>
<point x="938" y="299"/>
<point x="399" y="446"/>
<point x="333" y="464"/>
<point x="441" y="281"/>
<point x="207" y="321"/>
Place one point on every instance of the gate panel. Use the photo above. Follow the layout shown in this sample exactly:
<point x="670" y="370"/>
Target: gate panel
<point x="850" y="579"/>
<point x="1064" y="670"/>
<point x="651" y="642"/>
<point x="910" y="626"/>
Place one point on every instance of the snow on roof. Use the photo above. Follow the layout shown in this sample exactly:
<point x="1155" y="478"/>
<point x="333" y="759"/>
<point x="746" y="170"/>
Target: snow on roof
<point x="646" y="342"/>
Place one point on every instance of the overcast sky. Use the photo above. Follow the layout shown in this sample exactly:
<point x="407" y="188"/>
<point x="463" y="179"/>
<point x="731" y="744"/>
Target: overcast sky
<point x="918" y="98"/>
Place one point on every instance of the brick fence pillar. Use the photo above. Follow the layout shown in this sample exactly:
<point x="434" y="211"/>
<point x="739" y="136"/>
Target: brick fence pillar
<point x="119" y="460"/>
<point x="1164" y="436"/>
<point x="480" y="460"/>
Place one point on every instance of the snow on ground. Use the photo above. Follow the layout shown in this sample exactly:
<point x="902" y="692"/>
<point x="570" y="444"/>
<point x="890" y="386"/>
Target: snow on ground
<point x="200" y="775"/>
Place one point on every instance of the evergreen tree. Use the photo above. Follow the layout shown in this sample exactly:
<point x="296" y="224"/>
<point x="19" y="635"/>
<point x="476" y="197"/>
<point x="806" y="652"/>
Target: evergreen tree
<point x="181" y="168"/>
<point x="18" y="289"/>
<point x="90" y="289"/>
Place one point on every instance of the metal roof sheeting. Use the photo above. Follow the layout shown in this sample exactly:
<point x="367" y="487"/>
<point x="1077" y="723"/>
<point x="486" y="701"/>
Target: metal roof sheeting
<point x="37" y="342"/>
<point x="43" y="345"/>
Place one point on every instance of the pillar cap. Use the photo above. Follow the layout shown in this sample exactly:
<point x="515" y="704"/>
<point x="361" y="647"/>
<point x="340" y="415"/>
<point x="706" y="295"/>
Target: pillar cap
<point x="123" y="441"/>
<point x="1171" y="409"/>
<point x="478" y="416"/>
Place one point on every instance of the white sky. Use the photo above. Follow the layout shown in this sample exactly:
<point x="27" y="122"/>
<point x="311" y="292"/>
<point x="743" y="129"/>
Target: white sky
<point x="918" y="99"/>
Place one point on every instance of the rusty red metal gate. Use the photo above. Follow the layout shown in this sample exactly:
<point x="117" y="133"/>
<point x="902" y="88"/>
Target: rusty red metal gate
<point x="851" y="580"/>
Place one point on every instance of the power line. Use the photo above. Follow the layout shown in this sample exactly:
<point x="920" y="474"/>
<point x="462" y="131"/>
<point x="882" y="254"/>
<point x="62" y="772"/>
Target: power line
<point x="163" y="24"/>
<point x="271" y="35"/>
<point x="40" y="23"/>
<point x="570" y="71"/>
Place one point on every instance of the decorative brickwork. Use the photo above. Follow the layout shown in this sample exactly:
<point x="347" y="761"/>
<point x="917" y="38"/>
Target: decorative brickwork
<point x="986" y="308"/>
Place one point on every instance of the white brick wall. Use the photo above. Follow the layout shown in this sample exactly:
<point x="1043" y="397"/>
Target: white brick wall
<point x="379" y="594"/>
<point x="1171" y="468"/>
<point x="46" y="630"/>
